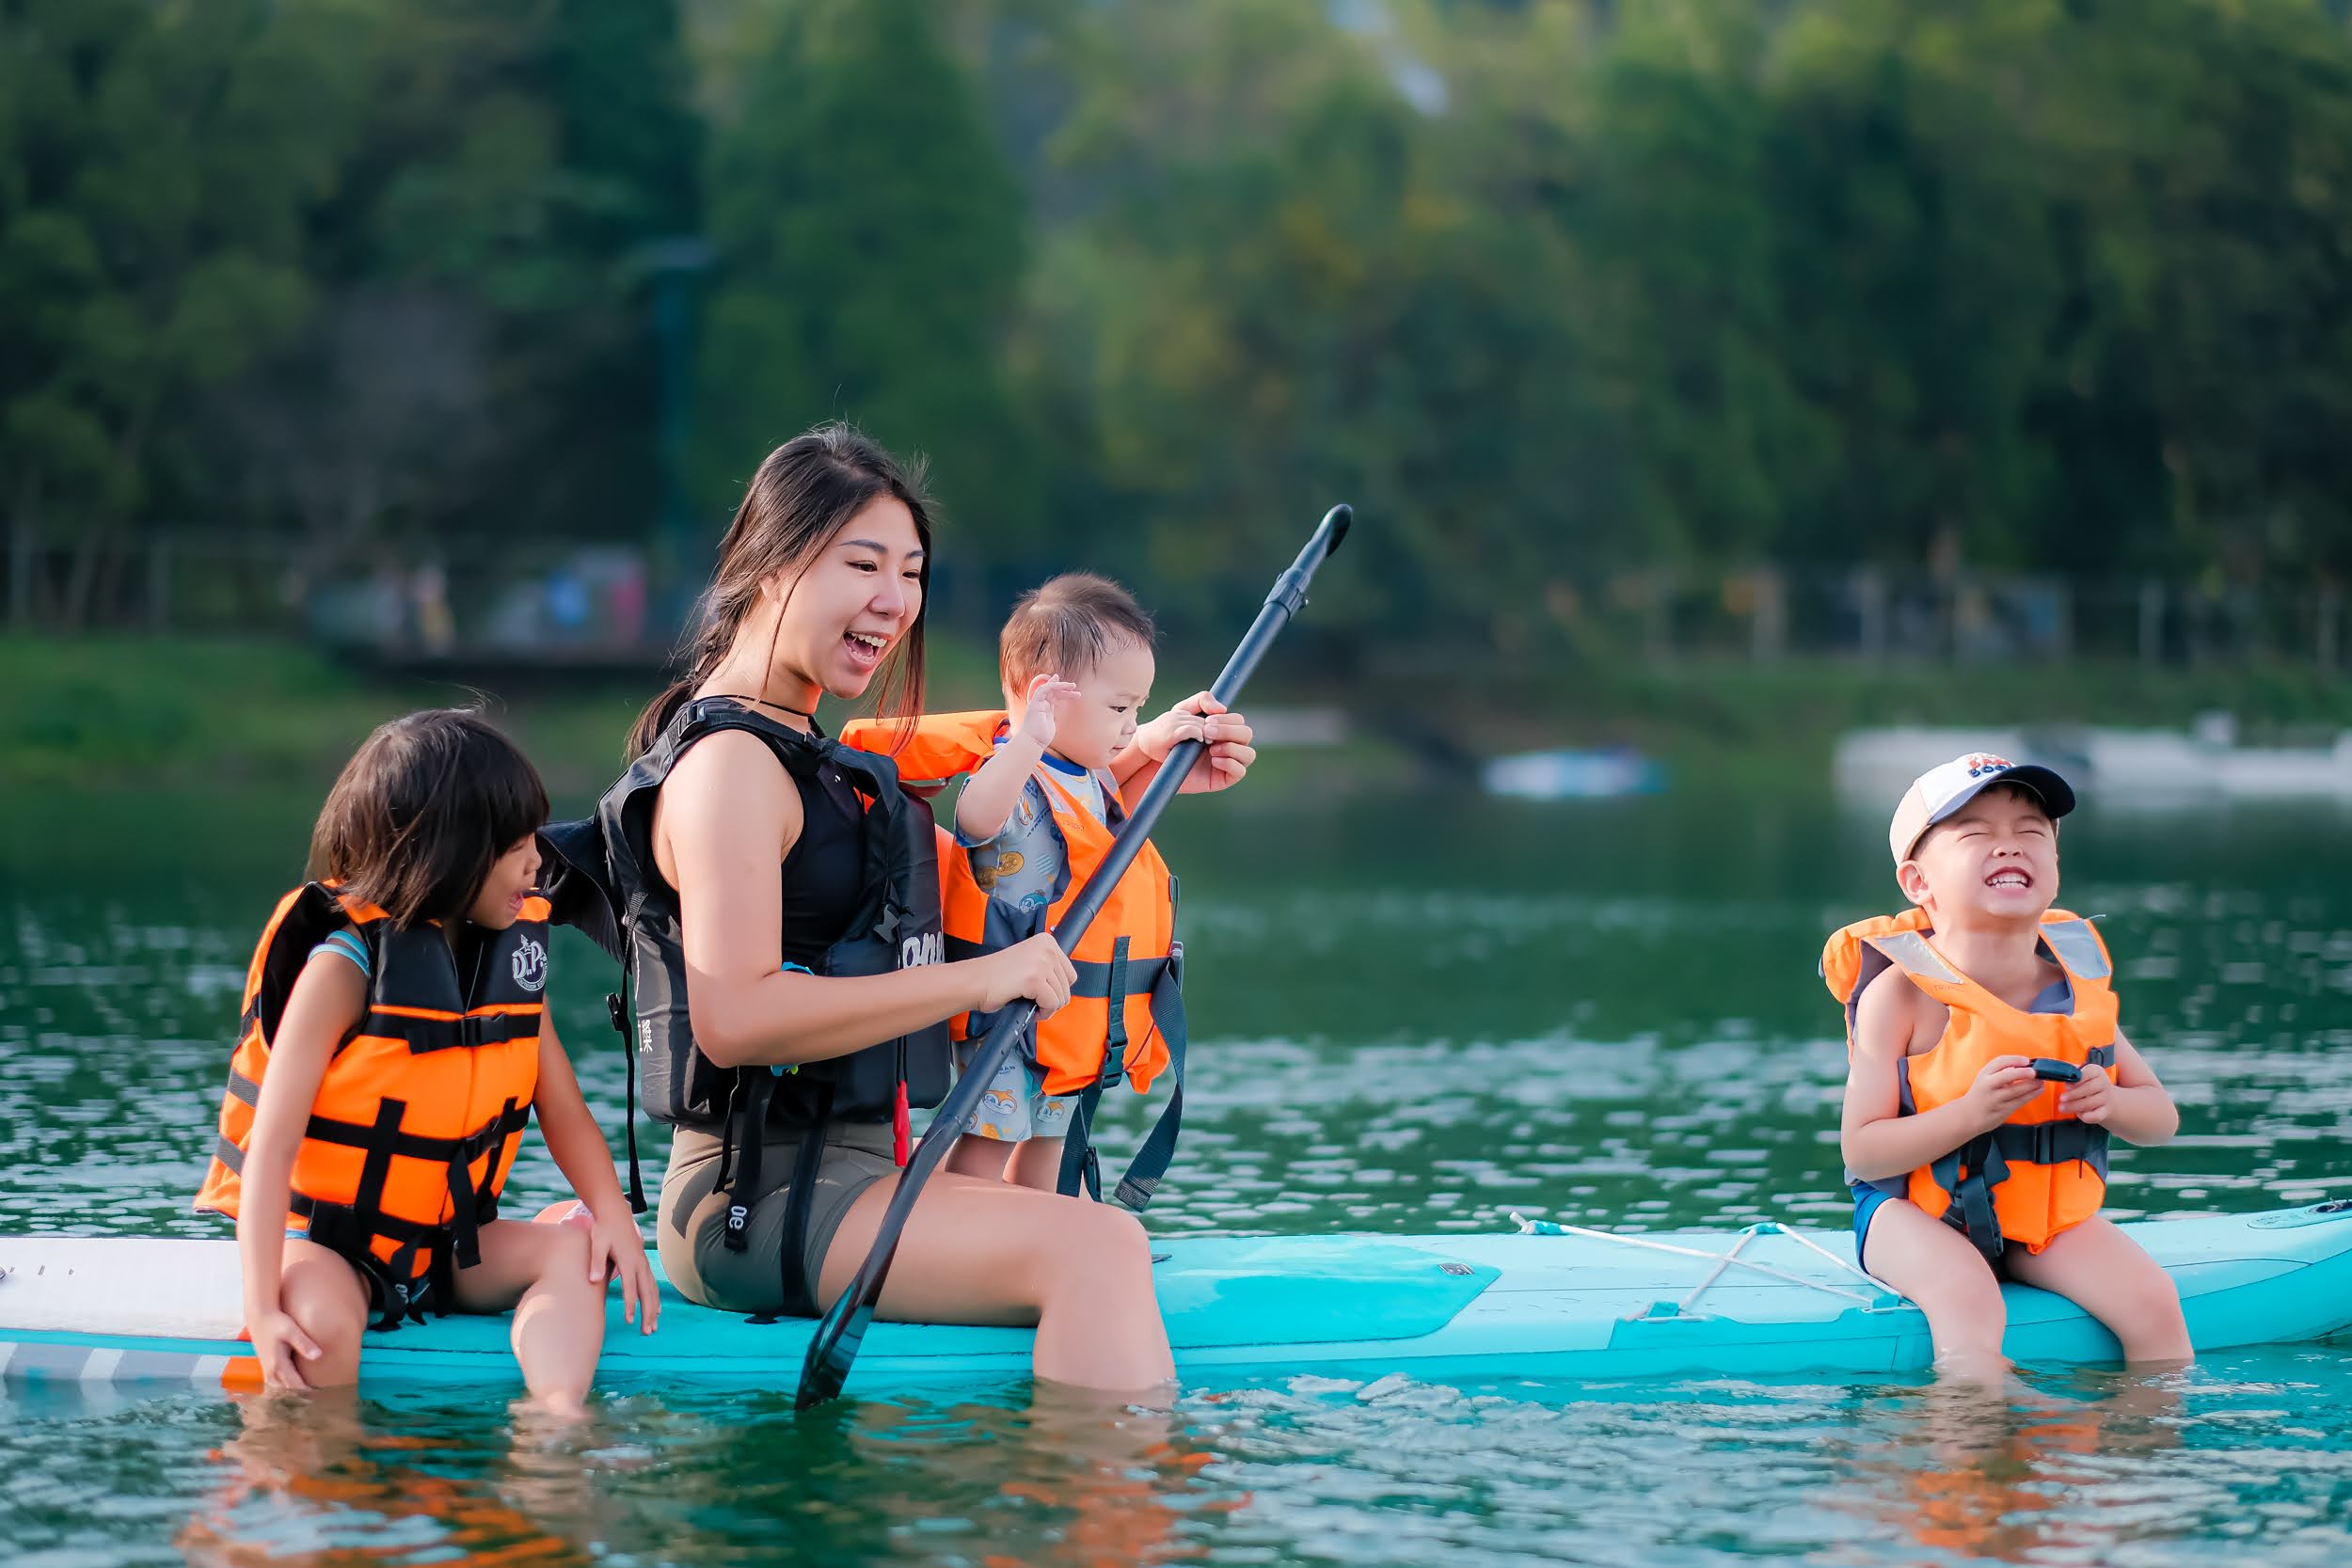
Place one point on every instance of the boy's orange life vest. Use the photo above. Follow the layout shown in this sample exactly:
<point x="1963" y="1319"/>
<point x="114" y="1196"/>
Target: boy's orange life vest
<point x="2041" y="1171"/>
<point x="1109" y="1028"/>
<point x="418" y="1118"/>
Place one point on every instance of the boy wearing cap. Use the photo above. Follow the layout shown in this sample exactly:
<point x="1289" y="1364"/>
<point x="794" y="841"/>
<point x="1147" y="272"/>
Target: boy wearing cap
<point x="1987" y="1075"/>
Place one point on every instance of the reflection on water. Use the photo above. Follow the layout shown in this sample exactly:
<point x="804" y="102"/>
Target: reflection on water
<point x="2242" y="1459"/>
<point x="1408" y="1017"/>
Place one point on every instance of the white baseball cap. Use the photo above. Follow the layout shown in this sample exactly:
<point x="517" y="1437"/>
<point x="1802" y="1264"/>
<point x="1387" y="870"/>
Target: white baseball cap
<point x="1942" y="790"/>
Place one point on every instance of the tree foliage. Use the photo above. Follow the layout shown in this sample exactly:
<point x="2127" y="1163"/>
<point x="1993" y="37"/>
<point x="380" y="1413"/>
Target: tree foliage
<point x="1551" y="290"/>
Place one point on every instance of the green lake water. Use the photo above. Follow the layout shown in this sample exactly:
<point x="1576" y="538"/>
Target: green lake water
<point x="1410" y="1015"/>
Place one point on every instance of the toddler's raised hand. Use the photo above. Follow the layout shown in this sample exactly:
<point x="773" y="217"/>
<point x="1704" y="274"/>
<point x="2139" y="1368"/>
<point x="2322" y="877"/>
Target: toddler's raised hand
<point x="1040" y="712"/>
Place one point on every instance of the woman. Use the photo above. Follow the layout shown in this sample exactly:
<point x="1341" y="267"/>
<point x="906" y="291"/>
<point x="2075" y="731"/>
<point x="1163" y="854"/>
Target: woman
<point x="820" y="592"/>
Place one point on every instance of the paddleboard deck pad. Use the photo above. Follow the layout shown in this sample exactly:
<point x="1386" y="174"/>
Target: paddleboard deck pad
<point x="1574" y="1304"/>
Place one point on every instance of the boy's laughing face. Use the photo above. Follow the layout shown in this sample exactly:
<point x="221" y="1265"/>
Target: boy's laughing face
<point x="1995" y="858"/>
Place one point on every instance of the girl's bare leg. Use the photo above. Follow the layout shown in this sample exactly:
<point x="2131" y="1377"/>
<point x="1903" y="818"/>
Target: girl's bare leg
<point x="541" y="1271"/>
<point x="321" y="1290"/>
<point x="989" y="1252"/>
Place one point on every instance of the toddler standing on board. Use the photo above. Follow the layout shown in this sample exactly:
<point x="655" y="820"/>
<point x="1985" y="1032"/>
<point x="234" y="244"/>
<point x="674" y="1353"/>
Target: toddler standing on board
<point x="1987" y="1075"/>
<point x="1046" y="780"/>
<point x="394" y="1044"/>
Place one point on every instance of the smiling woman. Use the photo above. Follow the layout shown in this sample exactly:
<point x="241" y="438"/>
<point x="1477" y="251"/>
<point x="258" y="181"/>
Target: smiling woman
<point x="788" y="1032"/>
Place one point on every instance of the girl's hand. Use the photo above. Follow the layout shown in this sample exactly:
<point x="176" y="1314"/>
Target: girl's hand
<point x="2005" y="1084"/>
<point x="281" y="1347"/>
<point x="615" y="1239"/>
<point x="2090" y="1100"/>
<point x="1038" y="711"/>
<point x="1226" y="738"/>
<point x="1036" y="969"/>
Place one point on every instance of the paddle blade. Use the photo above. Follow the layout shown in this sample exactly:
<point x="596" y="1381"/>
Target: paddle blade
<point x="832" y="1350"/>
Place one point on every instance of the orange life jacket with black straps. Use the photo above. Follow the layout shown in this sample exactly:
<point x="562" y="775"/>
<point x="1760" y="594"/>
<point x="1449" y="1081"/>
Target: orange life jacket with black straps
<point x="2041" y="1171"/>
<point x="417" y="1120"/>
<point x="1124" y="1020"/>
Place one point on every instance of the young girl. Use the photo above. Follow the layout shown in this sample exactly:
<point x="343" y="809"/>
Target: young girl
<point x="394" y="1044"/>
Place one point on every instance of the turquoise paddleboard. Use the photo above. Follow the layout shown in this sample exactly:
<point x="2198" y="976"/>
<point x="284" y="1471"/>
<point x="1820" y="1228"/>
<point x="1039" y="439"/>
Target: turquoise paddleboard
<point x="1570" y="1304"/>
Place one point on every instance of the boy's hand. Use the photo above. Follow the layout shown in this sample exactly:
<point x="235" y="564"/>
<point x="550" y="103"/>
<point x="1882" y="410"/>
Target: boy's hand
<point x="1039" y="715"/>
<point x="1226" y="735"/>
<point x="280" y="1346"/>
<point x="614" y="1240"/>
<point x="2005" y="1084"/>
<point x="2091" y="1098"/>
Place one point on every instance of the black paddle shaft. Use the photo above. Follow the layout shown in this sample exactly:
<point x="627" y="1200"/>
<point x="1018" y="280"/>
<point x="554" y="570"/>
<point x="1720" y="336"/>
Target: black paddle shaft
<point x="835" y="1346"/>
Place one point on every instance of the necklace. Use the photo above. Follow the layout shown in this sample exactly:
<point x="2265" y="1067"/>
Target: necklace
<point x="781" y="707"/>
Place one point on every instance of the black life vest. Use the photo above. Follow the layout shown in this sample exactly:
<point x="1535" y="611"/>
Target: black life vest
<point x="607" y="886"/>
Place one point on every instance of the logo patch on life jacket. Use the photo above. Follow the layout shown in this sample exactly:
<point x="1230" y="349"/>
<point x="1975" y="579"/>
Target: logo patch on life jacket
<point x="531" y="965"/>
<point x="1982" y="763"/>
<point x="929" y="948"/>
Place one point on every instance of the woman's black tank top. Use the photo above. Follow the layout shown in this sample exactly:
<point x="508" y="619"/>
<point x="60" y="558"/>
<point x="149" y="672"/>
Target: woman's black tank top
<point x="824" y="875"/>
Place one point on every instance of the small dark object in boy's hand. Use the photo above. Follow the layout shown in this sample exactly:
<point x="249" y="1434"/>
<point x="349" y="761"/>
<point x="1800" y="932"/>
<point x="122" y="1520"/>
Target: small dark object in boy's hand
<point x="2056" y="1070"/>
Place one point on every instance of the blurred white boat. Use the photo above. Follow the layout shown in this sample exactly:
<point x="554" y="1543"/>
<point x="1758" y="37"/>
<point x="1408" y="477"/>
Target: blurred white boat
<point x="2144" y="766"/>
<point x="1573" y="773"/>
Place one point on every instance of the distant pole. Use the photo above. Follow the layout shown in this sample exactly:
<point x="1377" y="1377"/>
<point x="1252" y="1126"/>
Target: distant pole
<point x="21" y="575"/>
<point x="2151" y="621"/>
<point x="1767" y="632"/>
<point x="1869" y="587"/>
<point x="672" y="265"/>
<point x="2330" y="615"/>
<point x="159" y="586"/>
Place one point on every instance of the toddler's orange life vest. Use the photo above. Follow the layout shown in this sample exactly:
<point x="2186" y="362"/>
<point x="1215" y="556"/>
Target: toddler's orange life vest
<point x="2041" y="1171"/>
<point x="1124" y="1019"/>
<point x="418" y="1118"/>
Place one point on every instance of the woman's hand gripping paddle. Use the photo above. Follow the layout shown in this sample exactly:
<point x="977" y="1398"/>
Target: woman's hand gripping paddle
<point x="835" y="1344"/>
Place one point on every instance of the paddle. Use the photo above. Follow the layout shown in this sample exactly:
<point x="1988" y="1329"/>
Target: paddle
<point x="838" y="1337"/>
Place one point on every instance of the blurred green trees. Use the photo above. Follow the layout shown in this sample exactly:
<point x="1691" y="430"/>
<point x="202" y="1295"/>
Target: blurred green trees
<point x="1550" y="289"/>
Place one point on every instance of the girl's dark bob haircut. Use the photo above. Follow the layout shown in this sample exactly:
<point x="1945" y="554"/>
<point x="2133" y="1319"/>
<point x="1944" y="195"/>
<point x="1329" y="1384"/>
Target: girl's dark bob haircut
<point x="423" y="811"/>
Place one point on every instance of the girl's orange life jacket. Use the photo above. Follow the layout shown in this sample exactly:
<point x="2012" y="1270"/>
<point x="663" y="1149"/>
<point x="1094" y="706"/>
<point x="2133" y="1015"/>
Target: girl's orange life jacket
<point x="2041" y="1171"/>
<point x="418" y="1118"/>
<point x="1123" y="953"/>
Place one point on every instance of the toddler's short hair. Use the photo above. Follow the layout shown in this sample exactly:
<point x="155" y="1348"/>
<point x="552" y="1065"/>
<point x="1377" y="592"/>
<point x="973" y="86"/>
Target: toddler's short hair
<point x="1065" y="625"/>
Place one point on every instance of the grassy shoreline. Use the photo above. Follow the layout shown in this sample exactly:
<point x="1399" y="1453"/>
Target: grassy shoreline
<point x="131" y="714"/>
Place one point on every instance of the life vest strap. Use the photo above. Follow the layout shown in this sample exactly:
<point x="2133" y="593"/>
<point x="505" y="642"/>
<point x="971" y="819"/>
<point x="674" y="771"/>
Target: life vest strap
<point x="1971" y="1172"/>
<point x="1120" y="978"/>
<point x="1081" y="1165"/>
<point x="739" y="1146"/>
<point x="427" y="1032"/>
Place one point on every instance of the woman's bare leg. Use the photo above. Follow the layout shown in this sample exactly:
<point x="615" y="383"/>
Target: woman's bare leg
<point x="2104" y="1272"/>
<point x="1941" y="1270"/>
<point x="989" y="1252"/>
